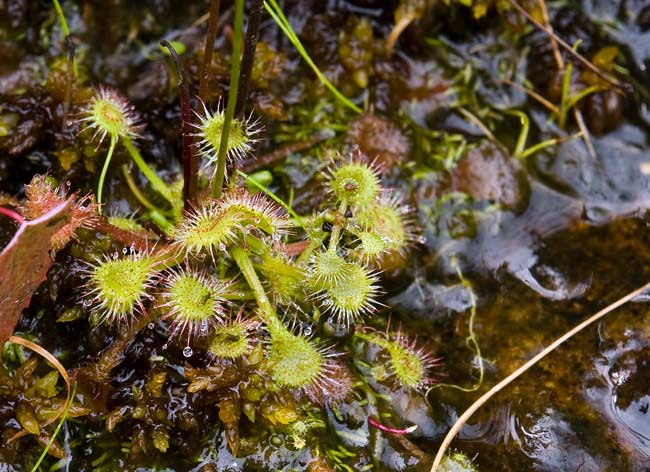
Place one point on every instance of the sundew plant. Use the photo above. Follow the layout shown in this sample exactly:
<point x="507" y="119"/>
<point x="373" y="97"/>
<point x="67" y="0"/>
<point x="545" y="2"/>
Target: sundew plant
<point x="277" y="320"/>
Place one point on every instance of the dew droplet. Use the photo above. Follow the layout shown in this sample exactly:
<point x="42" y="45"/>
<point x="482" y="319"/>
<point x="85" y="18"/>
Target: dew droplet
<point x="165" y="347"/>
<point x="222" y="247"/>
<point x="116" y="255"/>
<point x="422" y="239"/>
<point x="124" y="250"/>
<point x="204" y="326"/>
<point x="307" y="330"/>
<point x="187" y="351"/>
<point x="257" y="221"/>
<point x="150" y="326"/>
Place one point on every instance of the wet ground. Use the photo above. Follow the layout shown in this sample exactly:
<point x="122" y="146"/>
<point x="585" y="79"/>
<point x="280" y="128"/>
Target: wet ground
<point x="545" y="241"/>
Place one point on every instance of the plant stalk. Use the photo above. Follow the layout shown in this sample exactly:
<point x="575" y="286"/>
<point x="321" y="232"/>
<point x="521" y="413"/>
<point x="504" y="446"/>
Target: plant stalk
<point x="250" y="45"/>
<point x="102" y="176"/>
<point x="209" y="47"/>
<point x="336" y="230"/>
<point x="244" y="263"/>
<point x="190" y="161"/>
<point x="217" y="185"/>
<point x="68" y="36"/>
<point x="157" y="183"/>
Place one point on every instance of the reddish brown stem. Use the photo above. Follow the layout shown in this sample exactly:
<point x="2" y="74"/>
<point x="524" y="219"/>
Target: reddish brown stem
<point x="190" y="162"/>
<point x="251" y="165"/>
<point x="387" y="429"/>
<point x="125" y="237"/>
<point x="209" y="46"/>
<point x="250" y="44"/>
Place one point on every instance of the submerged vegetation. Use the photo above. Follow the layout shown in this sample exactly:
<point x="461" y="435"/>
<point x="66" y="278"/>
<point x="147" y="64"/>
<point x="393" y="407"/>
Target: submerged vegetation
<point x="338" y="232"/>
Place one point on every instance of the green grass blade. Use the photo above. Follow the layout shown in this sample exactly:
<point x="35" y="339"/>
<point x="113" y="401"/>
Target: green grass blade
<point x="56" y="430"/>
<point x="66" y="32"/>
<point x="278" y="16"/>
<point x="217" y="185"/>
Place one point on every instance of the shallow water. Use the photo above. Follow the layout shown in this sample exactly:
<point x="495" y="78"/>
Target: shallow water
<point x="579" y="245"/>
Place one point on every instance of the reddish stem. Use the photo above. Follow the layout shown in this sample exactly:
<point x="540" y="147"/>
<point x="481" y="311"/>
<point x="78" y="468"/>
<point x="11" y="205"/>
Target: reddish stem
<point x="209" y="47"/>
<point x="252" y="165"/>
<point x="387" y="429"/>
<point x="190" y="163"/>
<point x="250" y="44"/>
<point x="12" y="214"/>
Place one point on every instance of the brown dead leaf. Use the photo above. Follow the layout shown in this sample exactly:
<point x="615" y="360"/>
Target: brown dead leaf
<point x="24" y="264"/>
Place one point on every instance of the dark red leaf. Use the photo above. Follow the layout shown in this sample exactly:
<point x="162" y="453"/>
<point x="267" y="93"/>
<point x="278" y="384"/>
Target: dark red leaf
<point x="24" y="264"/>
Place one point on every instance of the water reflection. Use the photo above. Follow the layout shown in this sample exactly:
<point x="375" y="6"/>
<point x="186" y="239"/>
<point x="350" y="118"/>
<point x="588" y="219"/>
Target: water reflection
<point x="580" y="244"/>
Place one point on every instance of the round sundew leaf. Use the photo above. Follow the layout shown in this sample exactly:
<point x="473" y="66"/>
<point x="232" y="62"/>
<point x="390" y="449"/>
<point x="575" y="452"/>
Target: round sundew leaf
<point x="296" y="363"/>
<point x="355" y="183"/>
<point x="110" y="114"/>
<point x="192" y="298"/>
<point x="353" y="295"/>
<point x="119" y="285"/>
<point x="230" y="341"/>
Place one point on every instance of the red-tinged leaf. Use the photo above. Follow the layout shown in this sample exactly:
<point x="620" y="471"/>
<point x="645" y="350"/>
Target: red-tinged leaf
<point x="43" y="197"/>
<point x="24" y="264"/>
